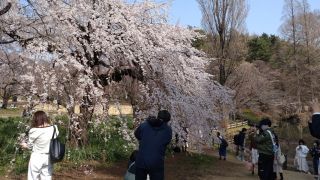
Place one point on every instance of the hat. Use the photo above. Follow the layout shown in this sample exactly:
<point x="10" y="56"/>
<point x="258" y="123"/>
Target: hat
<point x="243" y="129"/>
<point x="265" y="121"/>
<point x="164" y="115"/>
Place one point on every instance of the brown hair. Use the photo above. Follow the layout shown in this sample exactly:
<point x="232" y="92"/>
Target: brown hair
<point x="39" y="118"/>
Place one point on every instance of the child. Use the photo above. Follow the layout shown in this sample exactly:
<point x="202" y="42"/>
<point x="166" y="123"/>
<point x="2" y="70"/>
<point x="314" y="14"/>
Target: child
<point x="223" y="144"/>
<point x="130" y="174"/>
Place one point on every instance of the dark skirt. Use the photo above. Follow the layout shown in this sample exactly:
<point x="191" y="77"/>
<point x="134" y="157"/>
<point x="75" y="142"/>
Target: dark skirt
<point x="223" y="151"/>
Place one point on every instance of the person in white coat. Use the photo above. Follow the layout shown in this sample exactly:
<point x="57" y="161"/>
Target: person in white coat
<point x="278" y="162"/>
<point x="301" y="153"/>
<point x="40" y="134"/>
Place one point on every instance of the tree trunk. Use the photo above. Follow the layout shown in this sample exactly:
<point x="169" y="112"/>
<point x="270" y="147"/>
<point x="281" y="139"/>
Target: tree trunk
<point x="77" y="131"/>
<point x="222" y="74"/>
<point x="78" y="128"/>
<point x="5" y="100"/>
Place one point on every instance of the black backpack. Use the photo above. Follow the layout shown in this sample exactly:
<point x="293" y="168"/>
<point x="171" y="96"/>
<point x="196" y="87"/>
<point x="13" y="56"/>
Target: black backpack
<point x="57" y="149"/>
<point x="224" y="143"/>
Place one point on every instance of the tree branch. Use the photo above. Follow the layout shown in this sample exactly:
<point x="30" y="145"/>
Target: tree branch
<point x="5" y="9"/>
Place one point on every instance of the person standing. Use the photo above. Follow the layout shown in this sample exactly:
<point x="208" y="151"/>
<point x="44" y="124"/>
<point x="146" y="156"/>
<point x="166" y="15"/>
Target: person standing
<point x="153" y="135"/>
<point x="277" y="164"/>
<point x="40" y="134"/>
<point x="301" y="154"/>
<point x="314" y="125"/>
<point x="253" y="148"/>
<point x="315" y="153"/>
<point x="223" y="144"/>
<point x="241" y="144"/>
<point x="236" y="143"/>
<point x="264" y="139"/>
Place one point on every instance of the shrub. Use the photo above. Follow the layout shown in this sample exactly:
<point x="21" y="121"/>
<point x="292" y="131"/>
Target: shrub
<point x="114" y="138"/>
<point x="10" y="153"/>
<point x="249" y="115"/>
<point x="111" y="140"/>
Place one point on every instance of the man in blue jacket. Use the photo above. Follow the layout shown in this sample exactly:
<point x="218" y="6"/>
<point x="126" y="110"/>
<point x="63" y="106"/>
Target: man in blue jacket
<point x="153" y="135"/>
<point x="314" y="124"/>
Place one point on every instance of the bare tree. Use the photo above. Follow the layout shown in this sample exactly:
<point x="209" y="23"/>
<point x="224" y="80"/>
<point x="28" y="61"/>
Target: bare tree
<point x="224" y="21"/>
<point x="289" y="30"/>
<point x="308" y="31"/>
<point x="252" y="89"/>
<point x="301" y="30"/>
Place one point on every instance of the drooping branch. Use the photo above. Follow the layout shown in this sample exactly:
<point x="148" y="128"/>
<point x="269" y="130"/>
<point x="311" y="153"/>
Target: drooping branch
<point x="15" y="37"/>
<point x="5" y="9"/>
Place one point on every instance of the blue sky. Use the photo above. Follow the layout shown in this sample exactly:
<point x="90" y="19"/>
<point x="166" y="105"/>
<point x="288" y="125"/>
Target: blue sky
<point x="264" y="15"/>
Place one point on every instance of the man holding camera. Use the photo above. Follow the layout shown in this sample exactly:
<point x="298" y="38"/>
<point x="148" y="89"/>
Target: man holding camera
<point x="265" y="141"/>
<point x="314" y="125"/>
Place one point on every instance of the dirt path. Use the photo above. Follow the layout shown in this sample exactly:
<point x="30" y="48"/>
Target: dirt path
<point x="177" y="167"/>
<point x="245" y="175"/>
<point x="193" y="167"/>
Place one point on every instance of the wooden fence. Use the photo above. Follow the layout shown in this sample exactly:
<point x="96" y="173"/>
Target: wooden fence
<point x="233" y="129"/>
<point x="237" y="124"/>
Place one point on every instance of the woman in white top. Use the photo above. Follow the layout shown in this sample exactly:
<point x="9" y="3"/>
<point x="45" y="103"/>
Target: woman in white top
<point x="301" y="154"/>
<point x="40" y="135"/>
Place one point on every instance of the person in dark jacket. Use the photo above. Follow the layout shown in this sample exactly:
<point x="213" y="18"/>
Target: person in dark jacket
<point x="241" y="144"/>
<point x="314" y="124"/>
<point x="265" y="139"/>
<point x="223" y="144"/>
<point x="315" y="153"/>
<point x="153" y="135"/>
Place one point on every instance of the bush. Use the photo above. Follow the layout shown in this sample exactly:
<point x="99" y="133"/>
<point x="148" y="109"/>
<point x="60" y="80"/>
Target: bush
<point x="11" y="156"/>
<point x="249" y="115"/>
<point x="108" y="141"/>
<point x="112" y="139"/>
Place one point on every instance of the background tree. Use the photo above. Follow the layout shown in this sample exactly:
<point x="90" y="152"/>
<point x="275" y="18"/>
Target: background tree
<point x="224" y="21"/>
<point x="262" y="47"/>
<point x="12" y="75"/>
<point x="250" y="86"/>
<point x="308" y="25"/>
<point x="289" y="30"/>
<point x="300" y="31"/>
